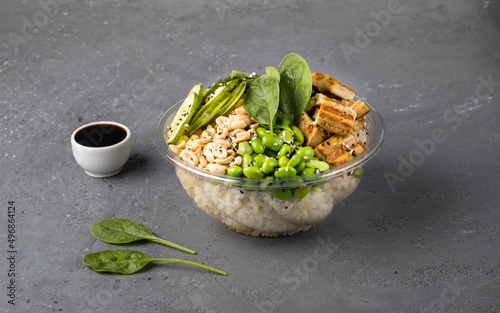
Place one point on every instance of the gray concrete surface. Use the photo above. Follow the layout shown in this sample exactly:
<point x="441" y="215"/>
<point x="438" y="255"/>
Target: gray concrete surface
<point x="419" y="239"/>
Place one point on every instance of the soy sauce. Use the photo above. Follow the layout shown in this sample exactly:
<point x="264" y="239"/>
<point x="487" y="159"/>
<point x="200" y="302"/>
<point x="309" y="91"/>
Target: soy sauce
<point x="100" y="135"/>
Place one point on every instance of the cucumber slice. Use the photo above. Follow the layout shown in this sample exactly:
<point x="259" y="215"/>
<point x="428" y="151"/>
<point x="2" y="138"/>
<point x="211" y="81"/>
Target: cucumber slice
<point x="185" y="114"/>
<point x="211" y="108"/>
<point x="233" y="99"/>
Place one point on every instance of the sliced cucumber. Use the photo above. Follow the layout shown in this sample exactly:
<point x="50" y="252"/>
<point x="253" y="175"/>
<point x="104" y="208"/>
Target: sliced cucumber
<point x="185" y="113"/>
<point x="211" y="108"/>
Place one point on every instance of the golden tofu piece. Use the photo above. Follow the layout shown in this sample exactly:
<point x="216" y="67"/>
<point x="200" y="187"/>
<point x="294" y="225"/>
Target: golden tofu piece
<point x="359" y="124"/>
<point x="360" y="108"/>
<point x="326" y="83"/>
<point x="333" y="116"/>
<point x="338" y="149"/>
<point x="313" y="135"/>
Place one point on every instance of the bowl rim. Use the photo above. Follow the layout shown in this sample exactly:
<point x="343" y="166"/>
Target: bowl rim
<point x="373" y="118"/>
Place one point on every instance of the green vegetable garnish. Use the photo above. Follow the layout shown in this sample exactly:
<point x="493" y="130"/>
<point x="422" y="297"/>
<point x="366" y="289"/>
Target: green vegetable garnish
<point x="262" y="100"/>
<point x="119" y="231"/>
<point x="129" y="261"/>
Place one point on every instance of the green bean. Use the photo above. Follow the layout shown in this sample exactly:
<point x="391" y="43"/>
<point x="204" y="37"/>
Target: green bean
<point x="295" y="160"/>
<point x="287" y="135"/>
<point x="357" y="172"/>
<point x="246" y="160"/>
<point x="244" y="148"/>
<point x="282" y="194"/>
<point x="285" y="150"/>
<point x="272" y="142"/>
<point x="300" y="193"/>
<point x="259" y="159"/>
<point x="234" y="171"/>
<point x="301" y="166"/>
<point x="269" y="165"/>
<point x="320" y="165"/>
<point x="283" y="161"/>
<point x="285" y="172"/>
<point x="306" y="153"/>
<point x="257" y="145"/>
<point x="299" y="136"/>
<point x="253" y="172"/>
<point x="261" y="132"/>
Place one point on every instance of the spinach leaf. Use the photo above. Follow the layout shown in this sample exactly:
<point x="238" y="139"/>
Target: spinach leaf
<point x="119" y="230"/>
<point x="295" y="86"/>
<point x="262" y="100"/>
<point x="129" y="261"/>
<point x="272" y="71"/>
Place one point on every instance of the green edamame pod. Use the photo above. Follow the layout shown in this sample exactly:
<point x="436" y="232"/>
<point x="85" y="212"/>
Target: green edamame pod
<point x="234" y="171"/>
<point x="253" y="172"/>
<point x="257" y="145"/>
<point x="300" y="193"/>
<point x="283" y="161"/>
<point x="246" y="160"/>
<point x="299" y="136"/>
<point x="285" y="150"/>
<point x="259" y="159"/>
<point x="285" y="172"/>
<point x="282" y="194"/>
<point x="269" y="165"/>
<point x="244" y="148"/>
<point x="295" y="160"/>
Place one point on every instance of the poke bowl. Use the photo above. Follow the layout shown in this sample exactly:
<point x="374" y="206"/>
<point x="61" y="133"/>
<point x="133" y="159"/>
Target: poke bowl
<point x="265" y="204"/>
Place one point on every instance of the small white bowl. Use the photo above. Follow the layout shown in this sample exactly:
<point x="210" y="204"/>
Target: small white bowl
<point x="101" y="148"/>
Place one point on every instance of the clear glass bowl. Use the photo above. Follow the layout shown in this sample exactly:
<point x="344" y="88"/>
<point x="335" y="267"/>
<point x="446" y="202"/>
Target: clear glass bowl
<point x="248" y="206"/>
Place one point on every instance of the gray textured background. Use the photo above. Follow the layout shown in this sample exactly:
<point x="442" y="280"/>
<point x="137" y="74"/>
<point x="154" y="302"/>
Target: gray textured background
<point x="427" y="242"/>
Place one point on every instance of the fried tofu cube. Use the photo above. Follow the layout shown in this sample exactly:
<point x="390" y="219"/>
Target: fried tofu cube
<point x="313" y="135"/>
<point x="333" y="116"/>
<point x="326" y="83"/>
<point x="360" y="108"/>
<point x="359" y="124"/>
<point x="338" y="150"/>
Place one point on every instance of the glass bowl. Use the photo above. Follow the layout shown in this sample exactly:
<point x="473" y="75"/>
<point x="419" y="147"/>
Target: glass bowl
<point x="248" y="206"/>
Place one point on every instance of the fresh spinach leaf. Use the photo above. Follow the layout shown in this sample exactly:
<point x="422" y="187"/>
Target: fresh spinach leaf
<point x="295" y="86"/>
<point x="129" y="261"/>
<point x="119" y="230"/>
<point x="262" y="100"/>
<point x="272" y="71"/>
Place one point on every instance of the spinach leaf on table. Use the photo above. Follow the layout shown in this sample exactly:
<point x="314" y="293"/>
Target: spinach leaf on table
<point x="129" y="261"/>
<point x="262" y="100"/>
<point x="119" y="230"/>
<point x="295" y="86"/>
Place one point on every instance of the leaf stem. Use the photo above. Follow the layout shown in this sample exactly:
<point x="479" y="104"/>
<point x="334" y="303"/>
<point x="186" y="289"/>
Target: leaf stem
<point x="173" y="245"/>
<point x="191" y="263"/>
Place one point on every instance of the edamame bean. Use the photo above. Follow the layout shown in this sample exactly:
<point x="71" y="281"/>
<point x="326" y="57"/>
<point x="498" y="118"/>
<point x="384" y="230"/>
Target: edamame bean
<point x="259" y="159"/>
<point x="257" y="145"/>
<point x="234" y="171"/>
<point x="269" y="165"/>
<point x="308" y="171"/>
<point x="261" y="132"/>
<point x="270" y="153"/>
<point x="246" y="160"/>
<point x="285" y="150"/>
<point x="253" y="172"/>
<point x="287" y="135"/>
<point x="357" y="172"/>
<point x="272" y="142"/>
<point x="282" y="194"/>
<point x="283" y="161"/>
<point x="244" y="148"/>
<point x="300" y="193"/>
<point x="301" y="166"/>
<point x="285" y="172"/>
<point x="299" y="136"/>
<point x="320" y="165"/>
<point x="266" y="181"/>
<point x="295" y="160"/>
<point x="306" y="153"/>
<point x="315" y="188"/>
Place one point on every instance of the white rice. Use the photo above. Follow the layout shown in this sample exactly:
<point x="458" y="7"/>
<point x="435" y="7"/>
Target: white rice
<point x="259" y="213"/>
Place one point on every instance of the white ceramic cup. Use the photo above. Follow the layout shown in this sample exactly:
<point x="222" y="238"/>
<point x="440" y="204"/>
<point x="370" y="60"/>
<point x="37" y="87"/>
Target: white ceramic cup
<point x="94" y="151"/>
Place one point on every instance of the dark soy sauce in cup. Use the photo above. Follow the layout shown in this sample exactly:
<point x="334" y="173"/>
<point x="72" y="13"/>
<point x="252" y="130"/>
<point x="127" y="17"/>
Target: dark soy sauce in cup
<point x="100" y="135"/>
